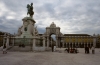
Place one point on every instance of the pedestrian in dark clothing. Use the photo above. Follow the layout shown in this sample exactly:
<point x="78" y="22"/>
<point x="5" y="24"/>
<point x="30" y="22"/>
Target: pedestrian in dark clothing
<point x="88" y="50"/>
<point x="68" y="50"/>
<point x="52" y="47"/>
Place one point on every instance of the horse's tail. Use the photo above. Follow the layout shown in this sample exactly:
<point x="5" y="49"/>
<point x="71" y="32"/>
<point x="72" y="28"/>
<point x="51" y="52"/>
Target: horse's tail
<point x="27" y="13"/>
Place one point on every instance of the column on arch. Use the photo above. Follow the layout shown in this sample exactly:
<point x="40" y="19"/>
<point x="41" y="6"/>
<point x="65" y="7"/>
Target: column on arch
<point x="66" y="44"/>
<point x="7" y="42"/>
<point x="43" y="41"/>
<point x="63" y="42"/>
<point x="13" y="40"/>
<point x="47" y="42"/>
<point x="56" y="41"/>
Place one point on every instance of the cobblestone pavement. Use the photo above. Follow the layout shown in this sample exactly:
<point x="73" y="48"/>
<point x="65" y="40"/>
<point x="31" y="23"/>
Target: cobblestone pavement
<point x="50" y="58"/>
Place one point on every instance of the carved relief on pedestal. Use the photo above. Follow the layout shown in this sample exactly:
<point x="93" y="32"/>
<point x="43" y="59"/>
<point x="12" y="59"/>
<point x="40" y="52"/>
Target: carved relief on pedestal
<point x="28" y="27"/>
<point x="19" y="32"/>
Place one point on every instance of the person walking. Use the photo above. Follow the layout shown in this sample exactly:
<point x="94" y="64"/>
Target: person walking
<point x="93" y="49"/>
<point x="4" y="49"/>
<point x="85" y="49"/>
<point x="52" y="47"/>
<point x="88" y="50"/>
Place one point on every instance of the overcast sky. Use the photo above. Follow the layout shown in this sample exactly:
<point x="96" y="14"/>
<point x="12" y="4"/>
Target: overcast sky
<point x="72" y="16"/>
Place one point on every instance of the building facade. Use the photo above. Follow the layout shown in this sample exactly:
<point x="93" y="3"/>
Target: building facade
<point x="80" y="40"/>
<point x="2" y="35"/>
<point x="98" y="41"/>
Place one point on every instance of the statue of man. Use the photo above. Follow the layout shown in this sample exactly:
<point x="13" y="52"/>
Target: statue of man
<point x="30" y="9"/>
<point x="36" y="32"/>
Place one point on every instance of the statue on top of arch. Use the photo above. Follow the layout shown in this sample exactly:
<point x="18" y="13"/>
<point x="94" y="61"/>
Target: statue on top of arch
<point x="30" y="10"/>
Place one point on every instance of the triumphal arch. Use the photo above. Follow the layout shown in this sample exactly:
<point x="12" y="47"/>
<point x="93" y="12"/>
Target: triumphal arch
<point x="52" y="29"/>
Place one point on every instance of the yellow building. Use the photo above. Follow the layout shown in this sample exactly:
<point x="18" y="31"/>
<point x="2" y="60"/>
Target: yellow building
<point x="78" y="40"/>
<point x="98" y="41"/>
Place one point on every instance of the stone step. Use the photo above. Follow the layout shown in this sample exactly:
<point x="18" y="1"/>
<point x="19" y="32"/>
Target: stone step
<point x="17" y="48"/>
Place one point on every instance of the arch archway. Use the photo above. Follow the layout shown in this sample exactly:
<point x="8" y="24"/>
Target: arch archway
<point x="73" y="45"/>
<point x="53" y="30"/>
<point x="85" y="44"/>
<point x="67" y="45"/>
<point x="82" y="45"/>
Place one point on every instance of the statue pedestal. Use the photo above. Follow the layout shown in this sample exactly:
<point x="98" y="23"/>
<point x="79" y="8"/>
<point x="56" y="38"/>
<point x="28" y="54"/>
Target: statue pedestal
<point x="26" y="35"/>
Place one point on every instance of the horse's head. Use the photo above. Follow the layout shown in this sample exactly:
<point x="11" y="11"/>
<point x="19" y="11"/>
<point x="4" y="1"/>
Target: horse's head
<point x="28" y="5"/>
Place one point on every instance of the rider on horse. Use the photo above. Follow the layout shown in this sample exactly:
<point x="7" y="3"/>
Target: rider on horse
<point x="30" y="10"/>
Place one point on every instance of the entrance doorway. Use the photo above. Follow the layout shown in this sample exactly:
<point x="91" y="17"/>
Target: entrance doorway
<point x="52" y="40"/>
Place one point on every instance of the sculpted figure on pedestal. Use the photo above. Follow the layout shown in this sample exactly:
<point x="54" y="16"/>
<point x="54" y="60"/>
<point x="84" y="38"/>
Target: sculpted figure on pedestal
<point x="19" y="32"/>
<point x="30" y="10"/>
<point x="36" y="32"/>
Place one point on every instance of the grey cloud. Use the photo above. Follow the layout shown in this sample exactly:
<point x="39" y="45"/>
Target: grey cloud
<point x="15" y="5"/>
<point x="41" y="30"/>
<point x="71" y="14"/>
<point x="10" y="26"/>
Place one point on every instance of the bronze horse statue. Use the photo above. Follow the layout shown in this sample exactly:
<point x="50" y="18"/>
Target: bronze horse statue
<point x="30" y="9"/>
